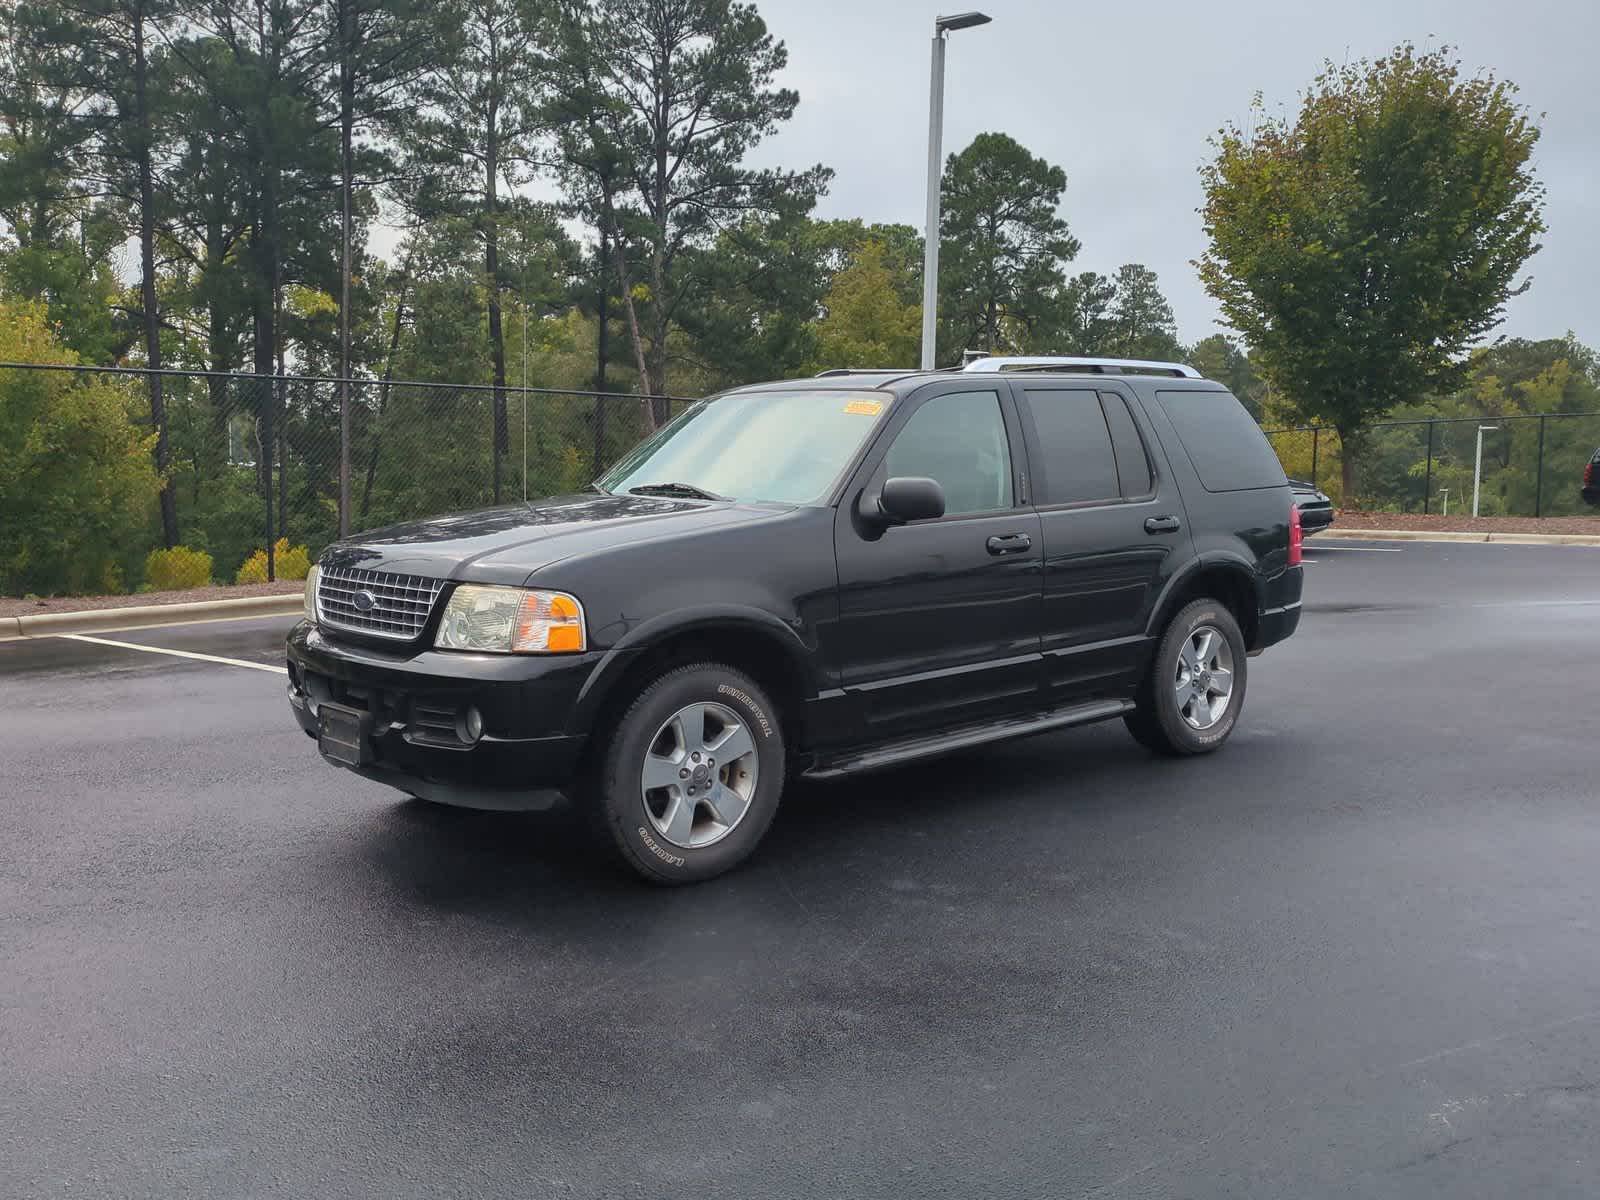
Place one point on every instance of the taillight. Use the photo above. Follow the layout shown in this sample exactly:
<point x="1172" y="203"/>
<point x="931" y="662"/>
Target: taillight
<point x="1297" y="536"/>
<point x="1588" y="474"/>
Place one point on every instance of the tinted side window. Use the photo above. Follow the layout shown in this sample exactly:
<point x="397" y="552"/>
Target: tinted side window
<point x="1133" y="461"/>
<point x="1226" y="446"/>
<point x="1078" y="461"/>
<point x="960" y="440"/>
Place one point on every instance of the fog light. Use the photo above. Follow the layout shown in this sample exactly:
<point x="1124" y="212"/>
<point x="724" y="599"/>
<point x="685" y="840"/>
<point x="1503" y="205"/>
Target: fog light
<point x="472" y="725"/>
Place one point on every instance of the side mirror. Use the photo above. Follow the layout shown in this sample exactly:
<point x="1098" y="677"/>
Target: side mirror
<point x="909" y="498"/>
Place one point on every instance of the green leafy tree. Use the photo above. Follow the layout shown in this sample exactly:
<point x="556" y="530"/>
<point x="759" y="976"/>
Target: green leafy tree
<point x="1003" y="244"/>
<point x="757" y="292"/>
<point x="678" y="93"/>
<point x="475" y="136"/>
<point x="1362" y="246"/>
<point x="108" y="47"/>
<point x="58" y="237"/>
<point x="1076" y="316"/>
<point x="867" y="323"/>
<point x="207" y="222"/>
<point x="840" y="239"/>
<point x="1514" y="377"/>
<point x="381" y="47"/>
<point x="76" y="479"/>
<point x="1219" y="357"/>
<point x="1141" y="321"/>
<point x="264" y="66"/>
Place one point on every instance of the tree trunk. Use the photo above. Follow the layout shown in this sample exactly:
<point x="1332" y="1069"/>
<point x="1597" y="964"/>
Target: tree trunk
<point x="147" y="282"/>
<point x="633" y="323"/>
<point x="602" y="354"/>
<point x="266" y="337"/>
<point x="383" y="388"/>
<point x="659" y="409"/>
<point x="280" y="389"/>
<point x="347" y="101"/>
<point x="1347" y="467"/>
<point x="491" y="266"/>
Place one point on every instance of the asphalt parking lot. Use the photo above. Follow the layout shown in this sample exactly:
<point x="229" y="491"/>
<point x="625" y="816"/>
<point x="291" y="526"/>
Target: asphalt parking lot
<point x="1353" y="955"/>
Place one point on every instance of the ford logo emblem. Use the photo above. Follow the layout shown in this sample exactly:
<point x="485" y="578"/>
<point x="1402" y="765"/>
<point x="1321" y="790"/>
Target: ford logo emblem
<point x="364" y="601"/>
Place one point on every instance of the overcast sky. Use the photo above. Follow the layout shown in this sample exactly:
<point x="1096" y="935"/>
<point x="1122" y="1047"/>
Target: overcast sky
<point x="1123" y="95"/>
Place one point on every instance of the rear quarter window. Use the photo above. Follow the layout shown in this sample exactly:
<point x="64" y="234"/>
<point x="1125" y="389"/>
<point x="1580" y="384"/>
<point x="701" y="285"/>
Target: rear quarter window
<point x="1222" y="440"/>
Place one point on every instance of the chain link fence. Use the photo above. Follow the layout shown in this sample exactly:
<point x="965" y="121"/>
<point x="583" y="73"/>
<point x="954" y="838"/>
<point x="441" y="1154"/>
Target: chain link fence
<point x="1532" y="464"/>
<point x="254" y="461"/>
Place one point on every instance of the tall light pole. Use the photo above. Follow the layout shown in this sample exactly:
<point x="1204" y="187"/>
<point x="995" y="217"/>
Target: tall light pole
<point x="1477" y="465"/>
<point x="930" y="251"/>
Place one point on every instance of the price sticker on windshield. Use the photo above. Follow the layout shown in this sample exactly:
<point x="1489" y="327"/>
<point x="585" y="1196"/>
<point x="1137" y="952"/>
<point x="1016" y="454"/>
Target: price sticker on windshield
<point x="864" y="408"/>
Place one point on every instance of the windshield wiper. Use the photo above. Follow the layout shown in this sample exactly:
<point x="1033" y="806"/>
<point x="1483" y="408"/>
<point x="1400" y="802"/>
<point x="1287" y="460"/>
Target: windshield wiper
<point x="674" y="489"/>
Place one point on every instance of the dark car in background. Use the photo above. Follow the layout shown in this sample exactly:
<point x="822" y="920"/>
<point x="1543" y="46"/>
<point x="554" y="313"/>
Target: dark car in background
<point x="1591" y="480"/>
<point x="1316" y="510"/>
<point x="814" y="578"/>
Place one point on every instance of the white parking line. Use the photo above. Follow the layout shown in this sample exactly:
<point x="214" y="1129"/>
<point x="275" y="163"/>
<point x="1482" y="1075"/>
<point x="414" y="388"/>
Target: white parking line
<point x="1365" y="549"/>
<point x="212" y="658"/>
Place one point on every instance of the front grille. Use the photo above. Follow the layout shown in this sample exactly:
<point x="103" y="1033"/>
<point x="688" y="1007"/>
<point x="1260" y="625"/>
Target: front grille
<point x="400" y="608"/>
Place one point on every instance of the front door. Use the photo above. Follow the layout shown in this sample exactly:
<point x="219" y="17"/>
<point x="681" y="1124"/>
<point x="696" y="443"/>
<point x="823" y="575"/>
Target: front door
<point x="939" y="619"/>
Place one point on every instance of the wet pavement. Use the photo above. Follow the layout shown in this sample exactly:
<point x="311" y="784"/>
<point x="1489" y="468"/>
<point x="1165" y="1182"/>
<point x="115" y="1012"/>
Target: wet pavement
<point x="1355" y="954"/>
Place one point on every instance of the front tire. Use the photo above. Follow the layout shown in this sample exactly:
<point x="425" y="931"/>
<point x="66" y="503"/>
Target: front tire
<point x="689" y="780"/>
<point x="1191" y="697"/>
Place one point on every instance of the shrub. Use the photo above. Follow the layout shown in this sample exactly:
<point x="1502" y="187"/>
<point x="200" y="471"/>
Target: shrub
<point x="289" y="562"/>
<point x="176" y="569"/>
<point x="77" y="485"/>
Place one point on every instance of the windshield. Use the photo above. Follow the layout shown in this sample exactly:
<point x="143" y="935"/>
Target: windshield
<point x="787" y="447"/>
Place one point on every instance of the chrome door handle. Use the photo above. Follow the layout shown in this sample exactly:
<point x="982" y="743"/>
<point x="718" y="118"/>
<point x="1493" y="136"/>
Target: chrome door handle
<point x="1161" y="525"/>
<point x="1011" y="543"/>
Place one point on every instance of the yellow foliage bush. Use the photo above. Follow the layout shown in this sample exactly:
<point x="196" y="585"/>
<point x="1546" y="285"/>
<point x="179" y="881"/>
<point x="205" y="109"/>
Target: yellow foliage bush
<point x="289" y="562"/>
<point x="176" y="569"/>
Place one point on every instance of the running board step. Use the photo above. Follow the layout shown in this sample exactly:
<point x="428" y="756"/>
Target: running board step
<point x="965" y="737"/>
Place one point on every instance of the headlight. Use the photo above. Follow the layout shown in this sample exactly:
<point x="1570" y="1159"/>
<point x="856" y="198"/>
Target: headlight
<point x="509" y="620"/>
<point x="311" y="593"/>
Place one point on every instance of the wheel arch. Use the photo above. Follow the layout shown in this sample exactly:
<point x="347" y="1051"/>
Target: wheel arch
<point x="1228" y="578"/>
<point x="755" y="642"/>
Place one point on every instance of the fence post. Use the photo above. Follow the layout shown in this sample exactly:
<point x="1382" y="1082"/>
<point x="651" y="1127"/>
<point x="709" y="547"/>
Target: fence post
<point x="1427" y="481"/>
<point x="1538" y="485"/>
<point x="1316" y="437"/>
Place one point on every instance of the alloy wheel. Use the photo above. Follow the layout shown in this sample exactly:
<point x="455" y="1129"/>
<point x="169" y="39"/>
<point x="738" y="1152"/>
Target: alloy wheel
<point x="699" y="775"/>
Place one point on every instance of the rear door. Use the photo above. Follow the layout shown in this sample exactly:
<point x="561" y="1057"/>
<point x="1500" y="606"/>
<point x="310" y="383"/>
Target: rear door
<point x="939" y="619"/>
<point x="1113" y="526"/>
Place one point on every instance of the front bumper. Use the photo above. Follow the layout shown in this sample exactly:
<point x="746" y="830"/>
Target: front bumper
<point x="416" y="703"/>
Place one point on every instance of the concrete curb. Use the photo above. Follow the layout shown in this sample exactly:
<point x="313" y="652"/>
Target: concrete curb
<point x="1424" y="535"/>
<point x="98" y="620"/>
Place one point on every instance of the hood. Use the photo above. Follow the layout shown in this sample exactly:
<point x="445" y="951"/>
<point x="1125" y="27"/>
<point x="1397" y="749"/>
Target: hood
<point x="508" y="543"/>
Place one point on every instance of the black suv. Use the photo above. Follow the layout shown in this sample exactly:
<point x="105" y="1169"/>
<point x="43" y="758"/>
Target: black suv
<point x="814" y="578"/>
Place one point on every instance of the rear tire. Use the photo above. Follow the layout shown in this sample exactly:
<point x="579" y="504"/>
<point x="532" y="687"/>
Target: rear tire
<point x="1191" y="697"/>
<point x="689" y="780"/>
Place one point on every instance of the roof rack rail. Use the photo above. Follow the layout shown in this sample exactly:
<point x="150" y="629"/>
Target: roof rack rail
<point x="1097" y="366"/>
<point x="864" y="371"/>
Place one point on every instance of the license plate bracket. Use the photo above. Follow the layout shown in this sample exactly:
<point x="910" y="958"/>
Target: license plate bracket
<point x="344" y="735"/>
